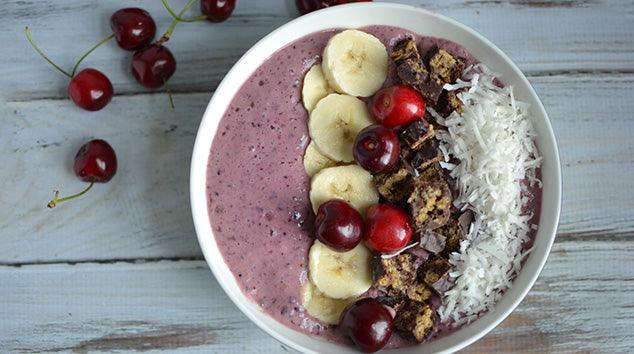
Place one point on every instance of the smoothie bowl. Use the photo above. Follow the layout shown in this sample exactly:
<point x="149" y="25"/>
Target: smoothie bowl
<point x="375" y="176"/>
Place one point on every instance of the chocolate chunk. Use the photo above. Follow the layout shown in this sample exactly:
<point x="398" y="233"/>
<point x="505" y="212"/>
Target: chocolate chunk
<point x="455" y="231"/>
<point x="393" y="186"/>
<point x="448" y="102"/>
<point x="444" y="67"/>
<point x="394" y="302"/>
<point x="431" y="90"/>
<point x="405" y="49"/>
<point x="430" y="204"/>
<point x="397" y="276"/>
<point x="432" y="241"/>
<point x="426" y="155"/>
<point x="435" y="273"/>
<point x="415" y="320"/>
<point x="412" y="72"/>
<point x="417" y="133"/>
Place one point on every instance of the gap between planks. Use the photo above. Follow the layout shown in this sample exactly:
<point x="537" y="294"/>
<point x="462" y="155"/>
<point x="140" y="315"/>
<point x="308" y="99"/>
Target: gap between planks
<point x="586" y="237"/>
<point x="184" y="90"/>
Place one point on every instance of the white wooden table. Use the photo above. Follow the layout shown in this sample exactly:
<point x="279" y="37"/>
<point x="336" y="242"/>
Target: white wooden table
<point x="120" y="269"/>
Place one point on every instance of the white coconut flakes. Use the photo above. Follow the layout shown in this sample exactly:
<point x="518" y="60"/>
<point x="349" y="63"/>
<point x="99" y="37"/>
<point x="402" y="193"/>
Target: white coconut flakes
<point x="493" y="140"/>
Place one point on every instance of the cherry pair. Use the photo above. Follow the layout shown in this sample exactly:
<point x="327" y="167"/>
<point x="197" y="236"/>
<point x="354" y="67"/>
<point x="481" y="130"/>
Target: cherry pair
<point x="339" y="226"/>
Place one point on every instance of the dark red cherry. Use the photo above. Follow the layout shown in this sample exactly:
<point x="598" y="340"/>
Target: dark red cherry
<point x="95" y="162"/>
<point x="338" y="225"/>
<point x="306" y="6"/>
<point x="217" y="10"/>
<point x="368" y="323"/>
<point x="90" y="89"/>
<point x="387" y="228"/>
<point x="377" y="148"/>
<point x="153" y="65"/>
<point x="397" y="106"/>
<point x="133" y="28"/>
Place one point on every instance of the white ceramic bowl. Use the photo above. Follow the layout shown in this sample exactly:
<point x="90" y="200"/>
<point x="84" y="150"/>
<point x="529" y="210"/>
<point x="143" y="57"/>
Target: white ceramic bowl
<point x="418" y="21"/>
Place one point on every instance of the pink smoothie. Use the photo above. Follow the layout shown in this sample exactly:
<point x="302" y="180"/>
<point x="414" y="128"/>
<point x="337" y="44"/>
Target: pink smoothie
<point x="257" y="188"/>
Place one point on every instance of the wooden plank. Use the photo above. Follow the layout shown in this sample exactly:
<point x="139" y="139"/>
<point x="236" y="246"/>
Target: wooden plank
<point x="580" y="303"/>
<point x="144" y="211"/>
<point x="540" y="36"/>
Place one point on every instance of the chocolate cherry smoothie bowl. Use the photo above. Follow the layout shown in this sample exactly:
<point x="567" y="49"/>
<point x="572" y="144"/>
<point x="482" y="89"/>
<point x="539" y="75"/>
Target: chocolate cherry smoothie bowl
<point x="373" y="177"/>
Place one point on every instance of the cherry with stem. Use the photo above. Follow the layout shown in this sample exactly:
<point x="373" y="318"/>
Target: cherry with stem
<point x="179" y="17"/>
<point x="89" y="89"/>
<point x="95" y="162"/>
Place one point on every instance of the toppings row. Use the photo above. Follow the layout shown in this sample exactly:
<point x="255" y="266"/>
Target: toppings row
<point x="383" y="205"/>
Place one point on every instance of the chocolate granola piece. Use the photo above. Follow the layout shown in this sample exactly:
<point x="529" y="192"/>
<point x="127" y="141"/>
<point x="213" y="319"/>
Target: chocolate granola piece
<point x="397" y="276"/>
<point x="426" y="155"/>
<point x="393" y="186"/>
<point x="405" y="49"/>
<point x="435" y="273"/>
<point x="414" y="320"/>
<point x="444" y="67"/>
<point x="432" y="241"/>
<point x="431" y="90"/>
<point x="448" y="102"/>
<point x="417" y="133"/>
<point x="419" y="291"/>
<point x="455" y="231"/>
<point x="412" y="72"/>
<point x="430" y="203"/>
<point x="394" y="275"/>
<point x="433" y="172"/>
<point x="394" y="302"/>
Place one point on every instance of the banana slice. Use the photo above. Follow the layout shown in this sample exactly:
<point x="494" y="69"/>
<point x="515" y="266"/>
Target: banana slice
<point x="320" y="306"/>
<point x="315" y="161"/>
<point x="334" y="124"/>
<point x="355" y="62"/>
<point x="350" y="183"/>
<point x="340" y="275"/>
<point x="315" y="87"/>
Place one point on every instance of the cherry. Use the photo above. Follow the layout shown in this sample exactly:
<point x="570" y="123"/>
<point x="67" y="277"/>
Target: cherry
<point x="95" y="162"/>
<point x="153" y="65"/>
<point x="338" y="225"/>
<point x="90" y="89"/>
<point x="217" y="10"/>
<point x="133" y="28"/>
<point x="397" y="106"/>
<point x="368" y="323"/>
<point x="306" y="6"/>
<point x="377" y="149"/>
<point x="387" y="228"/>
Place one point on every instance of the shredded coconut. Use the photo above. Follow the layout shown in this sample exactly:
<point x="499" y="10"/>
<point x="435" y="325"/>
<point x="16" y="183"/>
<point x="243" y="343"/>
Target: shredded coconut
<point x="493" y="140"/>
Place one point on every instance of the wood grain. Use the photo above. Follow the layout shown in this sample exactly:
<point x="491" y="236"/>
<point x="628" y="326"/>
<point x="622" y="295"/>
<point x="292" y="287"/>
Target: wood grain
<point x="581" y="302"/>
<point x="541" y="36"/>
<point x="144" y="212"/>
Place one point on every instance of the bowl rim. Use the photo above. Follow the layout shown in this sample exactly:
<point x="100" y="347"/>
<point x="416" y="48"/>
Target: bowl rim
<point x="200" y="156"/>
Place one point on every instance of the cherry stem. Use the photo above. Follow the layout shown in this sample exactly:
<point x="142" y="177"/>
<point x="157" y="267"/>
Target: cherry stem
<point x="56" y="199"/>
<point x="111" y="36"/>
<point x="179" y="18"/>
<point x="34" y="46"/>
<point x="169" y="93"/>
<point x="166" y="36"/>
<point x="72" y="73"/>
